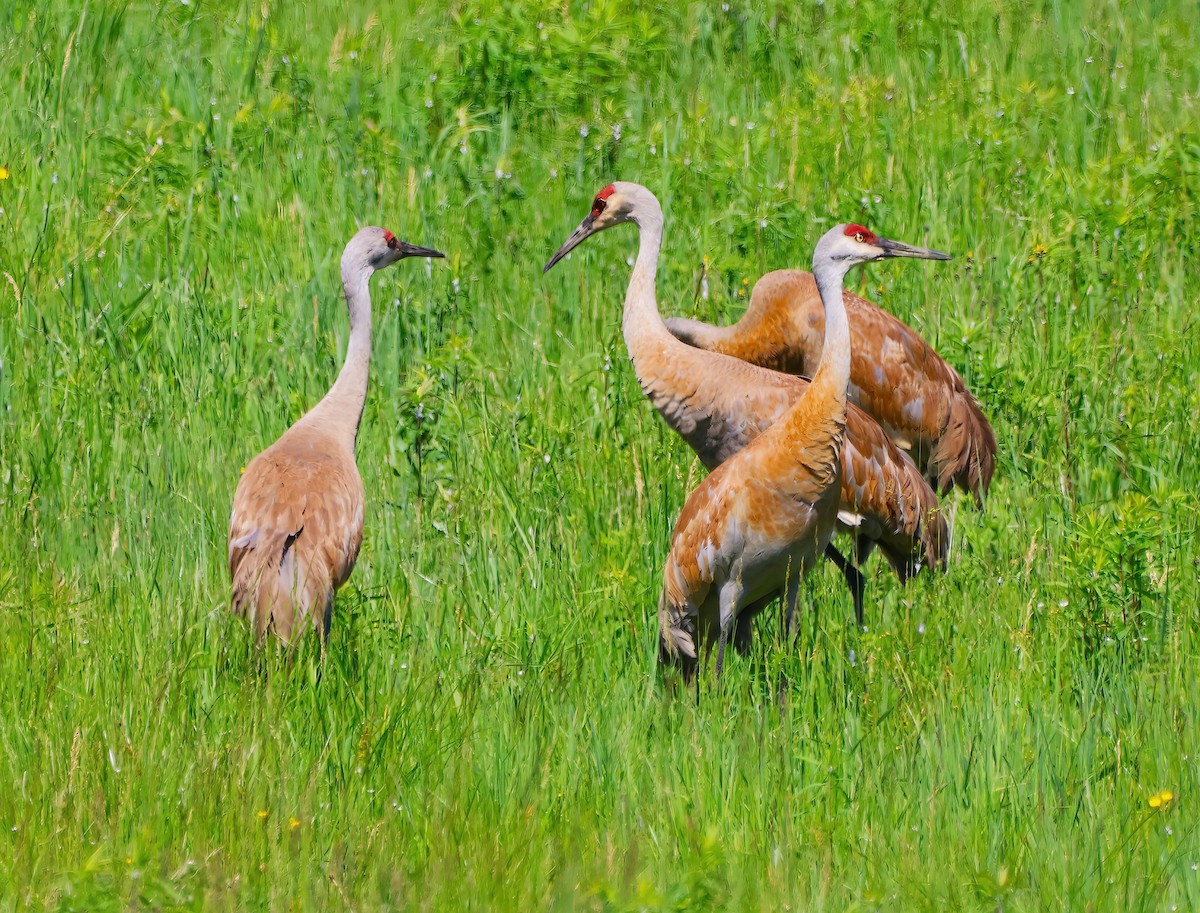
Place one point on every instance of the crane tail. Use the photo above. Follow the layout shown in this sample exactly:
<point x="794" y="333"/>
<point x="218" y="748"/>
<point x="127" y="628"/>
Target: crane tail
<point x="966" y="452"/>
<point x="275" y="592"/>
<point x="676" y="636"/>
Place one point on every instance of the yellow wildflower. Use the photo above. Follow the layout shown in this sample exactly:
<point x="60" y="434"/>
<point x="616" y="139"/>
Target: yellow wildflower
<point x="263" y="815"/>
<point x="4" y="173"/>
<point x="294" y="823"/>
<point x="1161" y="799"/>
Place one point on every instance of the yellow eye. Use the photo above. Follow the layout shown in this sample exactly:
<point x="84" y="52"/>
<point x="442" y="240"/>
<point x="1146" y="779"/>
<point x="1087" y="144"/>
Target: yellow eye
<point x="859" y="237"/>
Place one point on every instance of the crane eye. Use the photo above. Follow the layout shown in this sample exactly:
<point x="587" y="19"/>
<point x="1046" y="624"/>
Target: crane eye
<point x="859" y="237"/>
<point x="598" y="206"/>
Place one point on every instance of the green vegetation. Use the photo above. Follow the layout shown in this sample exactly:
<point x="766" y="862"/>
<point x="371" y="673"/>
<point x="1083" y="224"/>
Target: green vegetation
<point x="489" y="729"/>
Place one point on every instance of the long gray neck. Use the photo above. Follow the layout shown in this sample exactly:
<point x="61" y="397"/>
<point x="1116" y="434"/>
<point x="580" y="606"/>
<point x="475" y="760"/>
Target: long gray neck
<point x="641" y="321"/>
<point x="834" y="368"/>
<point x="341" y="409"/>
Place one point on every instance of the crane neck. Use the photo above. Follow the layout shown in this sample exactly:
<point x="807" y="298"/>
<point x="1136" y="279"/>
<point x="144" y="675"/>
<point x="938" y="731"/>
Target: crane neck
<point x="641" y="323"/>
<point x="341" y="410"/>
<point x="815" y="426"/>
<point x="833" y="373"/>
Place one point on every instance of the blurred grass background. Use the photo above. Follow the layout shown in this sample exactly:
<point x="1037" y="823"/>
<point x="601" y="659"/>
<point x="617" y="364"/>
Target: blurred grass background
<point x="489" y="730"/>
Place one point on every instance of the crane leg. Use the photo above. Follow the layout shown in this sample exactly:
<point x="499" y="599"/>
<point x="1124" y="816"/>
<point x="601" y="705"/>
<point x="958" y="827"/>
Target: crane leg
<point x="743" y="629"/>
<point x="730" y="598"/>
<point x="791" y="601"/>
<point x="854" y="579"/>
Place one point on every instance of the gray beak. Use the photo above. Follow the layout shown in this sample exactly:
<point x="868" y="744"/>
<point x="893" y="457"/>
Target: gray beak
<point x="900" y="249"/>
<point x="413" y="250"/>
<point x="578" y="236"/>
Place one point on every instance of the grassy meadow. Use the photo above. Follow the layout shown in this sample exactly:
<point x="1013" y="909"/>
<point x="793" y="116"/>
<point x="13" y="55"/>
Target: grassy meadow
<point x="489" y="729"/>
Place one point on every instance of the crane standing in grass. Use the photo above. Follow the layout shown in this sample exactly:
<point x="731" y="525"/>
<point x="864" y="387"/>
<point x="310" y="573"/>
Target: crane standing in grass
<point x="763" y="518"/>
<point x="297" y="518"/>
<point x="719" y="404"/>
<point x="895" y="375"/>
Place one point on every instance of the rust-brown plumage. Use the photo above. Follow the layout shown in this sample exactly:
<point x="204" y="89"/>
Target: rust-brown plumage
<point x="762" y="519"/>
<point x="719" y="404"/>
<point x="895" y="375"/>
<point x="297" y="520"/>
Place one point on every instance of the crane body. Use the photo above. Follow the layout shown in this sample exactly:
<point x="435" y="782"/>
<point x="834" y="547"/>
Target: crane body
<point x="297" y="520"/>
<point x="918" y="398"/>
<point x="719" y="404"/>
<point x="762" y="519"/>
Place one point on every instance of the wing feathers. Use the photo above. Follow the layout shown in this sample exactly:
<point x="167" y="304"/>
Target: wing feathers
<point x="295" y="533"/>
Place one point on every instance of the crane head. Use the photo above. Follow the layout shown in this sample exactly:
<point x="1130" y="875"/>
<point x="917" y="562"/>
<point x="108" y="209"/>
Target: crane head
<point x="611" y="206"/>
<point x="378" y="248"/>
<point x="844" y="246"/>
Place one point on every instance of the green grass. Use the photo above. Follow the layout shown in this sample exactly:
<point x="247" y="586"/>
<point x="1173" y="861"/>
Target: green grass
<point x="489" y="729"/>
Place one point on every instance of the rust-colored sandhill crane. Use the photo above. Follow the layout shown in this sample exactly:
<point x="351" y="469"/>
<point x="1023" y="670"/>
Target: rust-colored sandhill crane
<point x="895" y="375"/>
<point x="719" y="404"/>
<point x="298" y="510"/>
<point x="763" y="517"/>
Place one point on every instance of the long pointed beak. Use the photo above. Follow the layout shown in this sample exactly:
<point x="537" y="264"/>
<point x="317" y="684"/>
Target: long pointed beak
<point x="413" y="250"/>
<point x="900" y="249"/>
<point x="578" y="236"/>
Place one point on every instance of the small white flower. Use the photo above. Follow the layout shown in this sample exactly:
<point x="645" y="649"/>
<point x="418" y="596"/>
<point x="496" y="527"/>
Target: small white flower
<point x="583" y="130"/>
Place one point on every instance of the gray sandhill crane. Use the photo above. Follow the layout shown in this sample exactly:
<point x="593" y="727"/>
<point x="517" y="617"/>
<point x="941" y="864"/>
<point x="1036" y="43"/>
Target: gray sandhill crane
<point x="719" y="404"/>
<point x="895" y="375"/>
<point x="762" y="518"/>
<point x="297" y="517"/>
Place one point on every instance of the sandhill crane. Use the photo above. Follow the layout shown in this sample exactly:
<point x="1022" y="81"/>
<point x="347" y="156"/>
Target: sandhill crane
<point x="763" y="517"/>
<point x="297" y="517"/>
<point x="719" y="404"/>
<point x="895" y="375"/>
